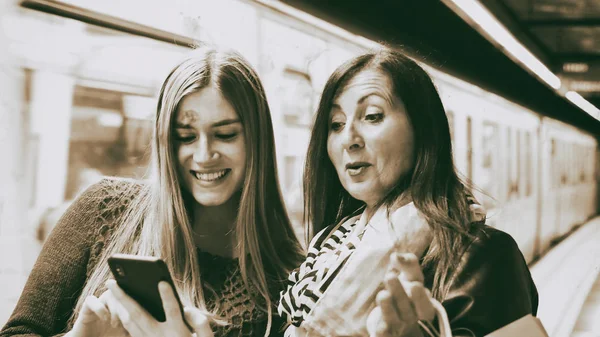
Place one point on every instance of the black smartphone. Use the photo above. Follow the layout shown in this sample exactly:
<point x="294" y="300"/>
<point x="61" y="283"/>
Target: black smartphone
<point x="139" y="276"/>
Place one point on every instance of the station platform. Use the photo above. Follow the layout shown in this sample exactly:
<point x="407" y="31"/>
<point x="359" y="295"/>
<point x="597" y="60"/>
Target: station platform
<point x="568" y="284"/>
<point x="567" y="279"/>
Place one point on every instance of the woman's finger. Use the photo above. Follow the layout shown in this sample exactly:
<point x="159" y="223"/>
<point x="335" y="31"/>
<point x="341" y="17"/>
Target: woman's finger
<point x="133" y="317"/>
<point x="389" y="315"/>
<point x="198" y="321"/>
<point x="421" y="300"/>
<point x="93" y="309"/>
<point x="169" y="302"/>
<point x="400" y="299"/>
<point x="95" y="305"/>
<point x="110" y="302"/>
<point x="410" y="269"/>
<point x="383" y="330"/>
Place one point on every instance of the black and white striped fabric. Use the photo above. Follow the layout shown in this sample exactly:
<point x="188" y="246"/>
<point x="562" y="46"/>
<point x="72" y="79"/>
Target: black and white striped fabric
<point x="327" y="255"/>
<point x="329" y="252"/>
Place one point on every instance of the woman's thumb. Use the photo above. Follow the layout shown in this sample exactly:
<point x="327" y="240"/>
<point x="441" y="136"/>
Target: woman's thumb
<point x="199" y="322"/>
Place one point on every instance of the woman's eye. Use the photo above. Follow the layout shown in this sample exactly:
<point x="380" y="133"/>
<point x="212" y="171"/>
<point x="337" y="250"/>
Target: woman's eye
<point x="226" y="136"/>
<point x="185" y="138"/>
<point x="336" y="126"/>
<point x="374" y="117"/>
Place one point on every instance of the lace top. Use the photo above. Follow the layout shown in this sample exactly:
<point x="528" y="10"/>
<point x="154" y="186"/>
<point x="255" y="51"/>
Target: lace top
<point x="73" y="248"/>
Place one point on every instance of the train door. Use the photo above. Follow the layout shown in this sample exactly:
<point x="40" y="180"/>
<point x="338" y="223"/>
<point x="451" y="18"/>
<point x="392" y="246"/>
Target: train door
<point x="488" y="169"/>
<point x="596" y="170"/>
<point x="469" y="130"/>
<point x="527" y="201"/>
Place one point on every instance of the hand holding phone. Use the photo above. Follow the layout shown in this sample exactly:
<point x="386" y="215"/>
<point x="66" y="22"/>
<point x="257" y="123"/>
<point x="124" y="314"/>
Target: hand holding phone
<point x="139" y="277"/>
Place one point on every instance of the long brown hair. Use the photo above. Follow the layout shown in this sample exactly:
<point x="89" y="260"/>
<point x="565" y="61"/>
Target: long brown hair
<point x="434" y="184"/>
<point x="159" y="220"/>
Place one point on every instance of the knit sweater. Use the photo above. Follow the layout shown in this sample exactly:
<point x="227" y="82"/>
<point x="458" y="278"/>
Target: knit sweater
<point x="72" y="250"/>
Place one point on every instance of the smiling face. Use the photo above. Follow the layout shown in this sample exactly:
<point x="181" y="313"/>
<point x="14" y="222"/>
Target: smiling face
<point x="370" y="141"/>
<point x="210" y="147"/>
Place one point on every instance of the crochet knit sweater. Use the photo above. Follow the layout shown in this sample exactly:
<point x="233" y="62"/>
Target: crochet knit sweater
<point x="73" y="249"/>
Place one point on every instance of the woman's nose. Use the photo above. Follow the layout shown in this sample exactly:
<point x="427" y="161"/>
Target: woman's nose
<point x="204" y="151"/>
<point x="353" y="139"/>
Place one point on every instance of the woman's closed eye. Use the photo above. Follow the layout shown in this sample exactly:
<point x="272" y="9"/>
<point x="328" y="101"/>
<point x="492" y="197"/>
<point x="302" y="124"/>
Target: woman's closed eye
<point x="185" y="138"/>
<point x="227" y="136"/>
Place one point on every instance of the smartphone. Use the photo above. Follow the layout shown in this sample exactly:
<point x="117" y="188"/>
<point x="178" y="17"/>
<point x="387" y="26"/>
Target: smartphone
<point x="139" y="276"/>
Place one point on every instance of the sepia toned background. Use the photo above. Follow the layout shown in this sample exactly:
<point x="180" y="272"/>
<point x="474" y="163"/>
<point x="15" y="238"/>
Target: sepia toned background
<point x="77" y="103"/>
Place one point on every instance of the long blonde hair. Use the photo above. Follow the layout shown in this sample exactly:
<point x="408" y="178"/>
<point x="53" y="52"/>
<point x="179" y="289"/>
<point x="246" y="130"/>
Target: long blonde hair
<point x="158" y="222"/>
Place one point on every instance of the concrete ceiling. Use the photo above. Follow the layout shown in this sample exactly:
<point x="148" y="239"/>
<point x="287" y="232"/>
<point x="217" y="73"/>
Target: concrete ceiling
<point x="556" y="31"/>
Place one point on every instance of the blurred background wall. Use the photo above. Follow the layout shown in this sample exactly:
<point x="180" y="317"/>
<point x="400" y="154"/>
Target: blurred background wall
<point x="77" y="102"/>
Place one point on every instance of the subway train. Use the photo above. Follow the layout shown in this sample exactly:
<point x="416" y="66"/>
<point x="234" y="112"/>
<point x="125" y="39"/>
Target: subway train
<point x="537" y="177"/>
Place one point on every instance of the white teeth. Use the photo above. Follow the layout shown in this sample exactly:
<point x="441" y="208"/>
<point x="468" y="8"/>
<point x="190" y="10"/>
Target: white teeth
<point x="210" y="176"/>
<point x="356" y="171"/>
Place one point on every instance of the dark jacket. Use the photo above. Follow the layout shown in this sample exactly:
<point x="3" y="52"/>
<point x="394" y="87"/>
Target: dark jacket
<point x="490" y="288"/>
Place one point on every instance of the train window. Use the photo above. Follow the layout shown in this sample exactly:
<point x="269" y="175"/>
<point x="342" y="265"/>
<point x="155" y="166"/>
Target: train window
<point x="508" y="168"/>
<point x="107" y="128"/>
<point x="585" y="153"/>
<point x="517" y="165"/>
<point x="469" y="149"/>
<point x="528" y="168"/>
<point x="581" y="163"/>
<point x="591" y="154"/>
<point x="564" y="163"/>
<point x="574" y="164"/>
<point x="298" y="97"/>
<point x="106" y="137"/>
<point x="586" y="160"/>
<point x="567" y="163"/>
<point x="489" y="165"/>
<point x="290" y="169"/>
<point x="450" y="116"/>
<point x="555" y="168"/>
<point x="588" y="165"/>
<point x="512" y="162"/>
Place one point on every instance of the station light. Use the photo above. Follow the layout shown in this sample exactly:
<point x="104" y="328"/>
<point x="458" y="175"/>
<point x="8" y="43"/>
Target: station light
<point x="492" y="28"/>
<point x="576" y="67"/>
<point x="583" y="104"/>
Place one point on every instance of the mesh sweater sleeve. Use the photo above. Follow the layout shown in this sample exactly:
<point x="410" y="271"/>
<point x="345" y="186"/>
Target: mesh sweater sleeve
<point x="59" y="274"/>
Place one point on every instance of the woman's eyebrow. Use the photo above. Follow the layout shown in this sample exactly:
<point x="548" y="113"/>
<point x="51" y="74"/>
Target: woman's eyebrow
<point x="226" y="122"/>
<point x="336" y="106"/>
<point x="378" y="94"/>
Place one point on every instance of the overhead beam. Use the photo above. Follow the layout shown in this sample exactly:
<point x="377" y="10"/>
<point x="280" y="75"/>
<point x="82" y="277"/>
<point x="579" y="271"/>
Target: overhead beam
<point x="577" y="57"/>
<point x="107" y="21"/>
<point x="562" y="23"/>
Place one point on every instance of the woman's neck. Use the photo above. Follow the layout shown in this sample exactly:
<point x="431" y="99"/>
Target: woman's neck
<point x="214" y="227"/>
<point x="404" y="199"/>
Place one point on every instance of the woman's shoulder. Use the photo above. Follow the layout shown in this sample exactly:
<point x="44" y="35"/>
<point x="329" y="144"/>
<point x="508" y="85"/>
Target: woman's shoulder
<point x="110" y="192"/>
<point x="492" y="246"/>
<point x="114" y="187"/>
<point x="102" y="203"/>
<point x="487" y="237"/>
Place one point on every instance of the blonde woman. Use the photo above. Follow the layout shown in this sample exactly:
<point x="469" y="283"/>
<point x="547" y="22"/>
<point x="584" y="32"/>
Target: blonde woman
<point x="211" y="209"/>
